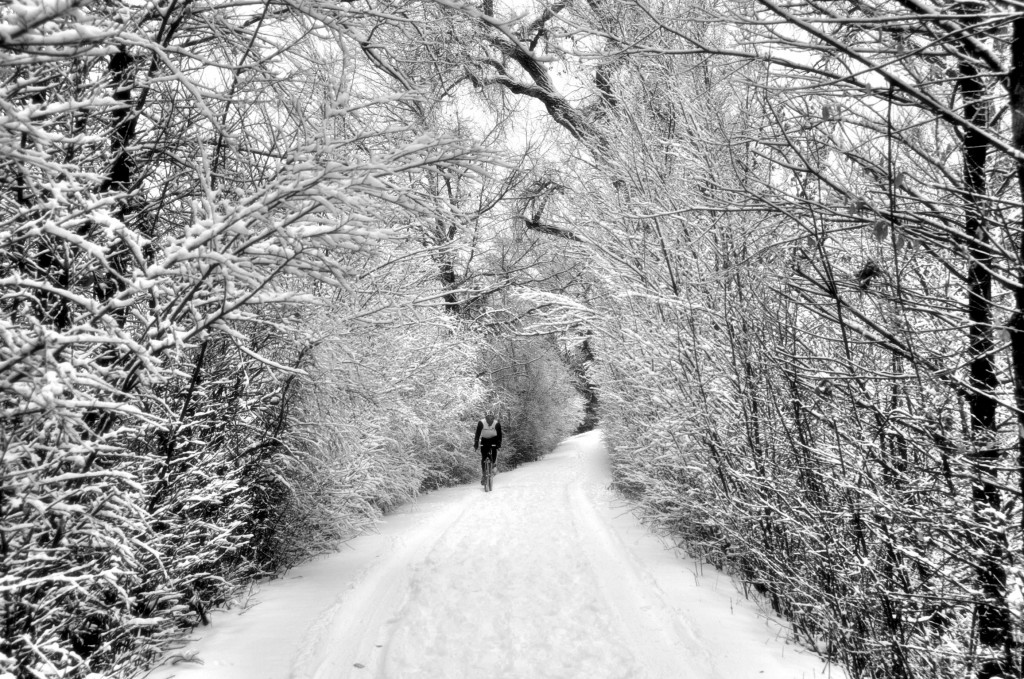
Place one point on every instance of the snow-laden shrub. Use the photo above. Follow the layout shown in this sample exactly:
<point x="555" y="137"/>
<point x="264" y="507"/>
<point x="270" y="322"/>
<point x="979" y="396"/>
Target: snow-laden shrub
<point x="845" y="505"/>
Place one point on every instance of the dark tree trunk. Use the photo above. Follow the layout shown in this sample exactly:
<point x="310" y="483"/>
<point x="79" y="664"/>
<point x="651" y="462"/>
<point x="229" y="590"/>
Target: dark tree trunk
<point x="994" y="624"/>
<point x="1017" y="319"/>
<point x="122" y="77"/>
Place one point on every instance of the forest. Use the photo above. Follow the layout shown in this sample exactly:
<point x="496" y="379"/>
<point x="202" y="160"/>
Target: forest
<point x="264" y="263"/>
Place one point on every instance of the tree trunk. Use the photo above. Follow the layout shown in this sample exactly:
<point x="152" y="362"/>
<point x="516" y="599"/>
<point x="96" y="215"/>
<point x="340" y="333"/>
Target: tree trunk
<point x="1016" y="323"/>
<point x="994" y="628"/>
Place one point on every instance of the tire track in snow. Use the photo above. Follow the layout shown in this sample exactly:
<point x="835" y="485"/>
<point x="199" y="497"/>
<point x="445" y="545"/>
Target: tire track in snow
<point x="654" y="634"/>
<point x="347" y="631"/>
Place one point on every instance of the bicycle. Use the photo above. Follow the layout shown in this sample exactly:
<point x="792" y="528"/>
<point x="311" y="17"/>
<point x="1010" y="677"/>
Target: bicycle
<point x="488" y="475"/>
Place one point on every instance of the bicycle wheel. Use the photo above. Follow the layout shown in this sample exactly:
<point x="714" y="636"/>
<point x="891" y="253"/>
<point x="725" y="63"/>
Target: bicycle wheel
<point x="488" y="475"/>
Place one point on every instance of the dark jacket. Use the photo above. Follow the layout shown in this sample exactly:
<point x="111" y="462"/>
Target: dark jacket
<point x="496" y="441"/>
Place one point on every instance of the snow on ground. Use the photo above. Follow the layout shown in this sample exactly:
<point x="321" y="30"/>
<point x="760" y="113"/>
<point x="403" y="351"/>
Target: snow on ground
<point x="549" y="576"/>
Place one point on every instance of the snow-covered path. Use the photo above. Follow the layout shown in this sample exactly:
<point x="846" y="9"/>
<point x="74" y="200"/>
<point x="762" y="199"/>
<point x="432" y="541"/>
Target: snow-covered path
<point x="547" y="576"/>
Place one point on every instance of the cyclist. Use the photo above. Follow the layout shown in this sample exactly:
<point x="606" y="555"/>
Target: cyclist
<point x="487" y="440"/>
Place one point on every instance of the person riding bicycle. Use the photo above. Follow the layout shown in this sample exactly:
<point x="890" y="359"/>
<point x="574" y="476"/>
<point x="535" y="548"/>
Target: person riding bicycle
<point x="487" y="440"/>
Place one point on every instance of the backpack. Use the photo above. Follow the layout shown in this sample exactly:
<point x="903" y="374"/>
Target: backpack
<point x="489" y="431"/>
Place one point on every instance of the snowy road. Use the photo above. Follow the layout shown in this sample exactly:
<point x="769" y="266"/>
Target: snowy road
<point x="547" y="576"/>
